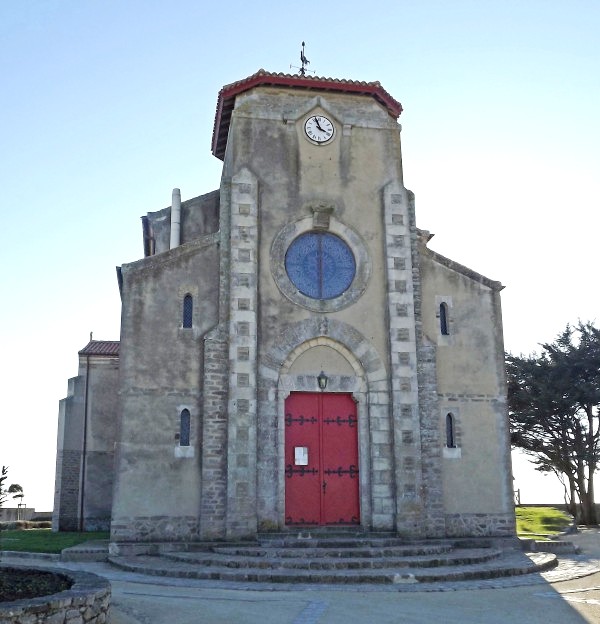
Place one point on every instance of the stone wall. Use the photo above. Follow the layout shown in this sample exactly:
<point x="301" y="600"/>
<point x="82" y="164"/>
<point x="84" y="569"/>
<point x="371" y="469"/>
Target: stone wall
<point x="480" y="525"/>
<point x="86" y="602"/>
<point x="100" y="409"/>
<point x="199" y="216"/>
<point x="159" y="481"/>
<point x="85" y="456"/>
<point x="11" y="514"/>
<point x="68" y="457"/>
<point x="66" y="500"/>
<point x="214" y="435"/>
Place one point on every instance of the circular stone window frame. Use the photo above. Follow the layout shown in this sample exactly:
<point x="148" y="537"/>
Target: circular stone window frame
<point x="357" y="287"/>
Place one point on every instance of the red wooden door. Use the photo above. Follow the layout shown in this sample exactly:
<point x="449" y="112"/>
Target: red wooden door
<point x="321" y="459"/>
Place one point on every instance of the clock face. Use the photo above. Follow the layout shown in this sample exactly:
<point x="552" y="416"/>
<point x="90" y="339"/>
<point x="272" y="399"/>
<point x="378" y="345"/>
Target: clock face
<point x="319" y="129"/>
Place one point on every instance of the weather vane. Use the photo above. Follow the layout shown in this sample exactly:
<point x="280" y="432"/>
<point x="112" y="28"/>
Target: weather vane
<point x="304" y="62"/>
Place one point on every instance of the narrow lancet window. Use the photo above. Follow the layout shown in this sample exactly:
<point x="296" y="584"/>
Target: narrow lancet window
<point x="188" y="308"/>
<point x="444" y="319"/>
<point x="184" y="428"/>
<point x="450" y="433"/>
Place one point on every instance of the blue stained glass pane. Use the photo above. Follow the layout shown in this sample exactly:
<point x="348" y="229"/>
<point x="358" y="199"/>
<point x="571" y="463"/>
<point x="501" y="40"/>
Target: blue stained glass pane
<point x="188" y="308"/>
<point x="444" y="319"/>
<point x="184" y="428"/>
<point x="320" y="265"/>
<point x="337" y="266"/>
<point x="302" y="265"/>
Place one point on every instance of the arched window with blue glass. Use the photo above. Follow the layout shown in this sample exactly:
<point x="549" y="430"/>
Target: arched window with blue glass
<point x="444" y="327"/>
<point x="188" y="310"/>
<point x="450" y="431"/>
<point x="184" y="427"/>
<point x="320" y="265"/>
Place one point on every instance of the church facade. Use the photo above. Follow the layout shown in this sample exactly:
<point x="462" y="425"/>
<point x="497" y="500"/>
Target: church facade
<point x="292" y="353"/>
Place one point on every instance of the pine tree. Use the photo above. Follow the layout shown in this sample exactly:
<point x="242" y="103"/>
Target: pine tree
<point x="3" y="476"/>
<point x="554" y="406"/>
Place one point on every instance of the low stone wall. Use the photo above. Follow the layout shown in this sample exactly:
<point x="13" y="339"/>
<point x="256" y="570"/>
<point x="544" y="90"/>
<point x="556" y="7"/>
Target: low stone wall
<point x="86" y="602"/>
<point x="558" y="547"/>
<point x="11" y="514"/>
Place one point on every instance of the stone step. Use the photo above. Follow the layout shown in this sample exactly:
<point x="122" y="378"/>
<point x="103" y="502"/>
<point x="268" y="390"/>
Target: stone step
<point x="354" y="532"/>
<point x="509" y="563"/>
<point x="311" y="559"/>
<point x="349" y="542"/>
<point x="369" y="551"/>
<point x="93" y="550"/>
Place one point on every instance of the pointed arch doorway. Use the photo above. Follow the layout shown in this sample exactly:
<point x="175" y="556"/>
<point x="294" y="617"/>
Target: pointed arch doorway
<point x="321" y="459"/>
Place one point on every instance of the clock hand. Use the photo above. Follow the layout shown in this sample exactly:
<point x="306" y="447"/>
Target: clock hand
<point x="318" y="124"/>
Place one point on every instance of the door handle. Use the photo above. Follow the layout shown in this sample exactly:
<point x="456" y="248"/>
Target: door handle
<point x="324" y="486"/>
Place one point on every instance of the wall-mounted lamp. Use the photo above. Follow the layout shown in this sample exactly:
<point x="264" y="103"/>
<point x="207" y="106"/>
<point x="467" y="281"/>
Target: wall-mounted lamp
<point x="322" y="380"/>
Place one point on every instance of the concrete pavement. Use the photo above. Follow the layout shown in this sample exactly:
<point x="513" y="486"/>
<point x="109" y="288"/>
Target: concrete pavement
<point x="568" y="595"/>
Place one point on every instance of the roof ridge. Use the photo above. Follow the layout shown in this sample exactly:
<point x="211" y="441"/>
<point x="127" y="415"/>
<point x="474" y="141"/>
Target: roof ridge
<point x="228" y="93"/>
<point x="101" y="347"/>
<point x="264" y="72"/>
<point x="464" y="270"/>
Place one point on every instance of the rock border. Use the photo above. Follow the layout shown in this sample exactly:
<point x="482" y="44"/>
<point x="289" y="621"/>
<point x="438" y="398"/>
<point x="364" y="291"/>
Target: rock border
<point x="86" y="602"/>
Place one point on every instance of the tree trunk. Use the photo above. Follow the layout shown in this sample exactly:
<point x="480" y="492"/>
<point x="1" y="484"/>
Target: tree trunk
<point x="591" y="467"/>
<point x="586" y="498"/>
<point x="591" y="505"/>
<point x="572" y="502"/>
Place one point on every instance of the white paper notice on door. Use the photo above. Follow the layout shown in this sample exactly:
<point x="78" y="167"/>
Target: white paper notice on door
<point x="301" y="455"/>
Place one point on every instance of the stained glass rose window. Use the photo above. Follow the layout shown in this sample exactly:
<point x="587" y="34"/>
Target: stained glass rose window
<point x="320" y="264"/>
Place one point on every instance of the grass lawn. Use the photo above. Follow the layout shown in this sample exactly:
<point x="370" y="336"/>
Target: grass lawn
<point x="531" y="522"/>
<point x="44" y="540"/>
<point x="541" y="521"/>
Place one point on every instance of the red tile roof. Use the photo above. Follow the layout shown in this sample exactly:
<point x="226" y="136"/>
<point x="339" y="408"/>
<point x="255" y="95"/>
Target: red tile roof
<point x="227" y="94"/>
<point x="101" y="347"/>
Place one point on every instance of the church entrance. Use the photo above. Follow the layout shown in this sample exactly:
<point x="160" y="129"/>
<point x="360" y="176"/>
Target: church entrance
<point x="321" y="459"/>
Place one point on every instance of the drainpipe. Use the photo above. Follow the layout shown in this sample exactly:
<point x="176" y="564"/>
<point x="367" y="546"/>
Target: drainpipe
<point x="175" y="218"/>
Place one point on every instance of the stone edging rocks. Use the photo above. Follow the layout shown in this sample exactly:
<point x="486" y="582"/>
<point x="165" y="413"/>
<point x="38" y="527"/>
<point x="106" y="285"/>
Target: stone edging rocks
<point x="86" y="602"/>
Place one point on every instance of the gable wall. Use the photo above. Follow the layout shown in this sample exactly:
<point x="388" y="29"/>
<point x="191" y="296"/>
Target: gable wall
<point x="471" y="386"/>
<point x="157" y="481"/>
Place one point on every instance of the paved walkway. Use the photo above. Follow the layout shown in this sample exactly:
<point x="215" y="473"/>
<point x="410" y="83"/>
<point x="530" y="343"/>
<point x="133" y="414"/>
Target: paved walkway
<point x="569" y="594"/>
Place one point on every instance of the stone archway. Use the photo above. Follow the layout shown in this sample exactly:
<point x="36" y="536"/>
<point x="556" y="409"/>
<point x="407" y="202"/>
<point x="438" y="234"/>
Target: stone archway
<point x="370" y="388"/>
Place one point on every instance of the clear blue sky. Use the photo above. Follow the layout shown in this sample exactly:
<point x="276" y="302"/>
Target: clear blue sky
<point x="108" y="105"/>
